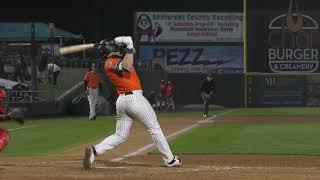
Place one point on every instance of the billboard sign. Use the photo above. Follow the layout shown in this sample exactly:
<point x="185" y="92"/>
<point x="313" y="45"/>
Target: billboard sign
<point x="188" y="27"/>
<point x="276" y="91"/>
<point x="284" y="42"/>
<point x="195" y="59"/>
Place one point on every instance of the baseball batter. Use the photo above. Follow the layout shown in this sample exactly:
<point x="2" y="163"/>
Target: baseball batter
<point x="131" y="104"/>
<point x="93" y="83"/>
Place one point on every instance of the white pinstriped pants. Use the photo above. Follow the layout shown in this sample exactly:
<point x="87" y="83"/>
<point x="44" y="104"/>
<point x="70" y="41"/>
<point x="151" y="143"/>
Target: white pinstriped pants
<point x="135" y="106"/>
<point x="93" y="95"/>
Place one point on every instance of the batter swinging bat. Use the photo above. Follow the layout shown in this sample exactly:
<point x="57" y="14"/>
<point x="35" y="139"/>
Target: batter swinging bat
<point x="74" y="48"/>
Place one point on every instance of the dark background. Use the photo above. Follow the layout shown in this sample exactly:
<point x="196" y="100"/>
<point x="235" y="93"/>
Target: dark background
<point x="97" y="19"/>
<point x="258" y="20"/>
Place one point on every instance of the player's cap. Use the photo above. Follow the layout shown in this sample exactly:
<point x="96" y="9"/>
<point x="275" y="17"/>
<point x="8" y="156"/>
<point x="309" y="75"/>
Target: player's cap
<point x="209" y="75"/>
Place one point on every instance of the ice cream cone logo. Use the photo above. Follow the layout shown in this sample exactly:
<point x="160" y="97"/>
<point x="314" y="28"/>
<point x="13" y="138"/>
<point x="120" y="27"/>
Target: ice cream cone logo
<point x="291" y="24"/>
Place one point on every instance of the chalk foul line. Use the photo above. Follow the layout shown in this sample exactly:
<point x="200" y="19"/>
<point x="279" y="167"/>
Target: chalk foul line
<point x="24" y="127"/>
<point x="149" y="146"/>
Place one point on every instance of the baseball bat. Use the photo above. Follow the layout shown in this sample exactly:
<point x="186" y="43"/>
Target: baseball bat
<point x="74" y="48"/>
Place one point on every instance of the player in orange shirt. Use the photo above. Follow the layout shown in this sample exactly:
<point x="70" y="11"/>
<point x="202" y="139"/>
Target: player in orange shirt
<point x="93" y="83"/>
<point x="131" y="104"/>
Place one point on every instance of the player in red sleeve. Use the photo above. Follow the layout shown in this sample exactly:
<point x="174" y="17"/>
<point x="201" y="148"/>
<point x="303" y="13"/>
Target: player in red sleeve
<point x="162" y="93"/>
<point x="14" y="114"/>
<point x="169" y="95"/>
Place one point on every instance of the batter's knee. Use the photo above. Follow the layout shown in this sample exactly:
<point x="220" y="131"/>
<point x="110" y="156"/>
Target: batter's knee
<point x="154" y="131"/>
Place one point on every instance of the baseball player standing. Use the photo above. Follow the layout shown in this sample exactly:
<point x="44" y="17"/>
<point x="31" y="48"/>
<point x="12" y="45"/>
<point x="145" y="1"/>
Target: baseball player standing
<point x="93" y="83"/>
<point x="162" y="93"/>
<point x="207" y="88"/>
<point x="169" y="95"/>
<point x="53" y="72"/>
<point x="131" y="104"/>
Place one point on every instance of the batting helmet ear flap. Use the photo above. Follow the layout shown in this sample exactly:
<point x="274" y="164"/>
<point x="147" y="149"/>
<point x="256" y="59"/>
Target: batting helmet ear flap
<point x="105" y="47"/>
<point x="103" y="50"/>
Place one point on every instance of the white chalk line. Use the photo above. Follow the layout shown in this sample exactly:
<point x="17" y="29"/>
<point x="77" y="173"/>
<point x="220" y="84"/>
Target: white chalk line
<point x="148" y="146"/>
<point x="46" y="162"/>
<point x="104" y="167"/>
<point x="24" y="127"/>
<point x="211" y="119"/>
<point x="228" y="168"/>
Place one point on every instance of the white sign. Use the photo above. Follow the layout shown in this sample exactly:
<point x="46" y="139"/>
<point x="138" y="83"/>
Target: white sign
<point x="189" y="27"/>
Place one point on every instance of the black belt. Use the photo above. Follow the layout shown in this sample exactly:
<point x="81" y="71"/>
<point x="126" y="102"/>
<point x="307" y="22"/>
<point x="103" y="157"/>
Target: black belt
<point x="127" y="93"/>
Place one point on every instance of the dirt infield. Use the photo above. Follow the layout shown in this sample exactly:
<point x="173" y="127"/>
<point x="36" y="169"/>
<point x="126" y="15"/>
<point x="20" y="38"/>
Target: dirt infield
<point x="68" y="165"/>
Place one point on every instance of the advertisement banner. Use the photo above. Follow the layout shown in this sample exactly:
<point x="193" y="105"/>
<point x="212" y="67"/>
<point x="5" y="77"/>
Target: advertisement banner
<point x="313" y="91"/>
<point x="286" y="41"/>
<point x="264" y="91"/>
<point x="195" y="59"/>
<point x="188" y="27"/>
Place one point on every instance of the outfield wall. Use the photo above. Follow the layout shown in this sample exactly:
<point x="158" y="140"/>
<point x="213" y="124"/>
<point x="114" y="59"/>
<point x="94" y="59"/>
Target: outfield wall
<point x="229" y="88"/>
<point x="271" y="61"/>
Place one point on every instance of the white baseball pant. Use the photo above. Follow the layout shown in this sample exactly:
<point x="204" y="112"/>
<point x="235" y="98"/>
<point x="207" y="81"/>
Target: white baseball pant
<point x="135" y="106"/>
<point x="93" y="99"/>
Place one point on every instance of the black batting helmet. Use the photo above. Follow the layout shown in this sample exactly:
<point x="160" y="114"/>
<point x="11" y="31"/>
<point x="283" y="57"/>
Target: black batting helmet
<point x="105" y="47"/>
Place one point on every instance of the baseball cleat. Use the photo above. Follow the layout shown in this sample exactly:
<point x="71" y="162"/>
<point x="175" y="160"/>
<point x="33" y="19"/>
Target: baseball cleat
<point x="205" y="116"/>
<point x="176" y="161"/>
<point x="88" y="158"/>
<point x="93" y="118"/>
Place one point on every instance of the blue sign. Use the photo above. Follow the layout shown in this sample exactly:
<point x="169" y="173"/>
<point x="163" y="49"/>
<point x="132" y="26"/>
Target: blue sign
<point x="195" y="59"/>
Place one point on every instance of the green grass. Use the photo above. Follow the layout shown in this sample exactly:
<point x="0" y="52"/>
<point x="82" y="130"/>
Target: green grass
<point x="250" y="139"/>
<point x="53" y="135"/>
<point x="48" y="136"/>
<point x="287" y="111"/>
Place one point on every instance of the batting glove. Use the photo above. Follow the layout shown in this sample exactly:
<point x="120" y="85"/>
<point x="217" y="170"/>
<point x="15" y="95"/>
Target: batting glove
<point x="125" y="40"/>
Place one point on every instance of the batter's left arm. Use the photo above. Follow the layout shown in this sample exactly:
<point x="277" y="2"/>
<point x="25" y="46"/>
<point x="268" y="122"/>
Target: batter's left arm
<point x="127" y="62"/>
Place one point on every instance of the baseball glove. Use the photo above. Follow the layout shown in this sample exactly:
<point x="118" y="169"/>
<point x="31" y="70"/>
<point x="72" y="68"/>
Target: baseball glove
<point x="17" y="114"/>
